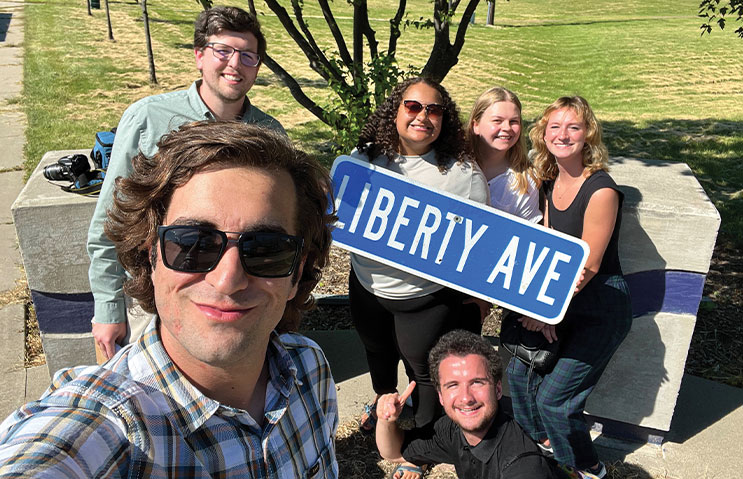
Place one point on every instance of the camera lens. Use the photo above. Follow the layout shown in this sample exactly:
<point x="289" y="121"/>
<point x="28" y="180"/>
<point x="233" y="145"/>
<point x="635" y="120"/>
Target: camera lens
<point x="58" y="172"/>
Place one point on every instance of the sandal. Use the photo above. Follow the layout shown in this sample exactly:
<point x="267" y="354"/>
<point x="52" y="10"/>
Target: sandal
<point x="368" y="421"/>
<point x="403" y="468"/>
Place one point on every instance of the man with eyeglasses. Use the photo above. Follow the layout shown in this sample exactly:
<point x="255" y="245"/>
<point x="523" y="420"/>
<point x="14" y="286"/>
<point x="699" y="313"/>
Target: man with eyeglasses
<point x="225" y="231"/>
<point x="229" y="47"/>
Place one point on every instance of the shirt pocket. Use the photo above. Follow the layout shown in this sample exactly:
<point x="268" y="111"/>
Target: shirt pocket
<point x="325" y="466"/>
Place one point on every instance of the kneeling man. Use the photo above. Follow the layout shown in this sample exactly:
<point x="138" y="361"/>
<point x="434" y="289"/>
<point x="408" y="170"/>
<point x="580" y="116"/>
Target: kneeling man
<point x="479" y="439"/>
<point x="224" y="232"/>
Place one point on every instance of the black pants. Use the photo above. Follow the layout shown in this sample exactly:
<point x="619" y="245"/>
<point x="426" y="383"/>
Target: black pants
<point x="407" y="329"/>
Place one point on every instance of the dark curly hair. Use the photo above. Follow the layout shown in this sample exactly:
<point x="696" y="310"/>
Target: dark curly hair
<point x="461" y="343"/>
<point x="379" y="135"/>
<point x="141" y="201"/>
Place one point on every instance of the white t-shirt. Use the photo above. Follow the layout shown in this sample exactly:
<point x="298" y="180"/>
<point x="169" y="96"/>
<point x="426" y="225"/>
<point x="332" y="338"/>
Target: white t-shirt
<point x="462" y="179"/>
<point x="504" y="196"/>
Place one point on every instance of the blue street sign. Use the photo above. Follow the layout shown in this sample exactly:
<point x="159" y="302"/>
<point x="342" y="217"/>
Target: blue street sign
<point x="455" y="242"/>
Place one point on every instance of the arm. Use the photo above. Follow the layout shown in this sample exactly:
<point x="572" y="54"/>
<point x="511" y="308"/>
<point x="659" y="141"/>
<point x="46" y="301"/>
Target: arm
<point x="105" y="273"/>
<point x="389" y="436"/>
<point x="598" y="226"/>
<point x="63" y="443"/>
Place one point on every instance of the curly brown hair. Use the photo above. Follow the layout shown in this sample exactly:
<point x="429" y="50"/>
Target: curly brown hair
<point x="379" y="135"/>
<point x="141" y="201"/>
<point x="595" y="154"/>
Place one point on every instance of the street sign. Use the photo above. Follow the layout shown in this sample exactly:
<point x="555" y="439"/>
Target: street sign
<point x="455" y="242"/>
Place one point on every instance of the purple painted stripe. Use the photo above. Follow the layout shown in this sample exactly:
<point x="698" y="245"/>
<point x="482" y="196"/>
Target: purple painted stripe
<point x="63" y="313"/>
<point x="665" y="291"/>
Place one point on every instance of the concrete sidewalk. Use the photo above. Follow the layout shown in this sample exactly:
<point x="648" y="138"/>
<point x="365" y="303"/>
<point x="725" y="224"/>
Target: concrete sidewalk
<point x="707" y="425"/>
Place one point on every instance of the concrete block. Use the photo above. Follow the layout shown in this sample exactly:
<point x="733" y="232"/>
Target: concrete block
<point x="10" y="263"/>
<point x="53" y="223"/>
<point x="67" y="350"/>
<point x="11" y="184"/>
<point x="668" y="222"/>
<point x="641" y="383"/>
<point x="12" y="324"/>
<point x="13" y="138"/>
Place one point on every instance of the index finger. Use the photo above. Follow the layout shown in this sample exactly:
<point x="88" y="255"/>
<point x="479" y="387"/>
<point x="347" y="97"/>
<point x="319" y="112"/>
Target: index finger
<point x="408" y="391"/>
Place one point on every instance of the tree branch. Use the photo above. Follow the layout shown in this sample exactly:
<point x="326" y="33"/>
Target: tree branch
<point x="295" y="89"/>
<point x="337" y="34"/>
<point x="318" y="62"/>
<point x="464" y="24"/>
<point x="395" y="28"/>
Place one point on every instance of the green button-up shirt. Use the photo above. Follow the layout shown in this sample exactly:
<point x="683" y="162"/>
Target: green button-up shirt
<point x="141" y="127"/>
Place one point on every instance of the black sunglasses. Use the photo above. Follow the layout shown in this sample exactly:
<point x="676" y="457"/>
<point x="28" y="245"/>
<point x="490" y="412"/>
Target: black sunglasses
<point x="432" y="109"/>
<point x="198" y="249"/>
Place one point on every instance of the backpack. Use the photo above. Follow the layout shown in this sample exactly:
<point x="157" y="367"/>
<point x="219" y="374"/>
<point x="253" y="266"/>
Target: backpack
<point x="101" y="152"/>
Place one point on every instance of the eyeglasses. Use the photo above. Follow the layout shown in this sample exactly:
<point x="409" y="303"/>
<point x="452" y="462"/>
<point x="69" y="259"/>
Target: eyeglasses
<point x="198" y="249"/>
<point x="224" y="53"/>
<point x="433" y="110"/>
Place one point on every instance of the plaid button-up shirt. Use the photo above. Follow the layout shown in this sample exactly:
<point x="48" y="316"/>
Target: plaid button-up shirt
<point x="138" y="416"/>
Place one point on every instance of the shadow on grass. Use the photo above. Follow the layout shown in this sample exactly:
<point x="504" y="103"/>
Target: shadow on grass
<point x="357" y="454"/>
<point x="711" y="148"/>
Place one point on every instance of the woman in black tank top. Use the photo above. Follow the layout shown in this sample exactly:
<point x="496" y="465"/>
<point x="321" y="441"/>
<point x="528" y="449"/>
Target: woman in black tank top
<point x="581" y="200"/>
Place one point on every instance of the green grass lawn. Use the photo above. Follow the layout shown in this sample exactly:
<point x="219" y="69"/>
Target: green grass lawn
<point x="661" y="90"/>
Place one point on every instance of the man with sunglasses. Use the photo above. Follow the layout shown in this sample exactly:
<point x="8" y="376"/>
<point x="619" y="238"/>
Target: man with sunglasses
<point x="224" y="231"/>
<point x="229" y="47"/>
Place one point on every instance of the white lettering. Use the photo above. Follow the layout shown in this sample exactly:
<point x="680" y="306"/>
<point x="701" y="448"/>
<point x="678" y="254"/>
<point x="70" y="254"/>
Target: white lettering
<point x="401" y="220"/>
<point x="453" y="219"/>
<point x="552" y="275"/>
<point x="469" y="242"/>
<point x="381" y="213"/>
<point x="505" y="263"/>
<point x="359" y="208"/>
<point x="425" y="230"/>
<point x="339" y="224"/>
<point x="531" y="268"/>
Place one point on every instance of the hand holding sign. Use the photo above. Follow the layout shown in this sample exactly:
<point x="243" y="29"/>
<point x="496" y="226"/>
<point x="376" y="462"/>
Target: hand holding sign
<point x="389" y="406"/>
<point x="455" y="242"/>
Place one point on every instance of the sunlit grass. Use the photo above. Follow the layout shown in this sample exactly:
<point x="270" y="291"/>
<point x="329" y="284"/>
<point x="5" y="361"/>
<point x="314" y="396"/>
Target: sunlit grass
<point x="662" y="91"/>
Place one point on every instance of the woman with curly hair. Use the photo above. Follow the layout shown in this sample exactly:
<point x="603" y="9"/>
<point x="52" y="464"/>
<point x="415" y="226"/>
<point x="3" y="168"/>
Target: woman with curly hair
<point x="583" y="201"/>
<point x="415" y="132"/>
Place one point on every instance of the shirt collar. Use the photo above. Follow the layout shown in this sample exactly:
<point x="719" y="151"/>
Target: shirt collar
<point x="486" y="448"/>
<point x="188" y="407"/>
<point x="198" y="104"/>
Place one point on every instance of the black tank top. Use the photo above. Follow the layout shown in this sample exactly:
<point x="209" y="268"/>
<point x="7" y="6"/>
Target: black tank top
<point x="570" y="221"/>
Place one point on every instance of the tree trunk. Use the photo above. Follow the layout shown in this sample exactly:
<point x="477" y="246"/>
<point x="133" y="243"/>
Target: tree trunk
<point x="491" y="13"/>
<point x="108" y="20"/>
<point x="89" y="11"/>
<point x="150" y="56"/>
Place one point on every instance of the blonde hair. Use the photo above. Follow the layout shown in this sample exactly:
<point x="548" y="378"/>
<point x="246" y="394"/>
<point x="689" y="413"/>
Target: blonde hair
<point x="516" y="156"/>
<point x="595" y="154"/>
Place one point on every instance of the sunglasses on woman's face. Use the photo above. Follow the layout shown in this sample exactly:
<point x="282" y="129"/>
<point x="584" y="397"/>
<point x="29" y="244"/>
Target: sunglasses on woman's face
<point x="434" y="110"/>
<point x="198" y="249"/>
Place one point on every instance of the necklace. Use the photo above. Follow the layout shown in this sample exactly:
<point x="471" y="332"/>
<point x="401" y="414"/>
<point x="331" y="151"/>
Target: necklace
<point x="564" y="191"/>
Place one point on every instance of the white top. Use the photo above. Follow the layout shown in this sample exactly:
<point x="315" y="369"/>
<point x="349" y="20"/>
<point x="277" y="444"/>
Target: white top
<point x="505" y="196"/>
<point x="462" y="179"/>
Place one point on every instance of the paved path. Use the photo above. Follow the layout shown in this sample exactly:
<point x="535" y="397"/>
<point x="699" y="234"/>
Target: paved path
<point x="705" y="438"/>
<point x="18" y="383"/>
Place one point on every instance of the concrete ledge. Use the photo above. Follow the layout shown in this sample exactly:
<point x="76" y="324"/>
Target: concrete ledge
<point x="642" y="381"/>
<point x="52" y="223"/>
<point x="67" y="350"/>
<point x="667" y="220"/>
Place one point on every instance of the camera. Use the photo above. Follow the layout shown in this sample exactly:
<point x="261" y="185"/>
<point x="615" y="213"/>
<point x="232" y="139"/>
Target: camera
<point x="73" y="168"/>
